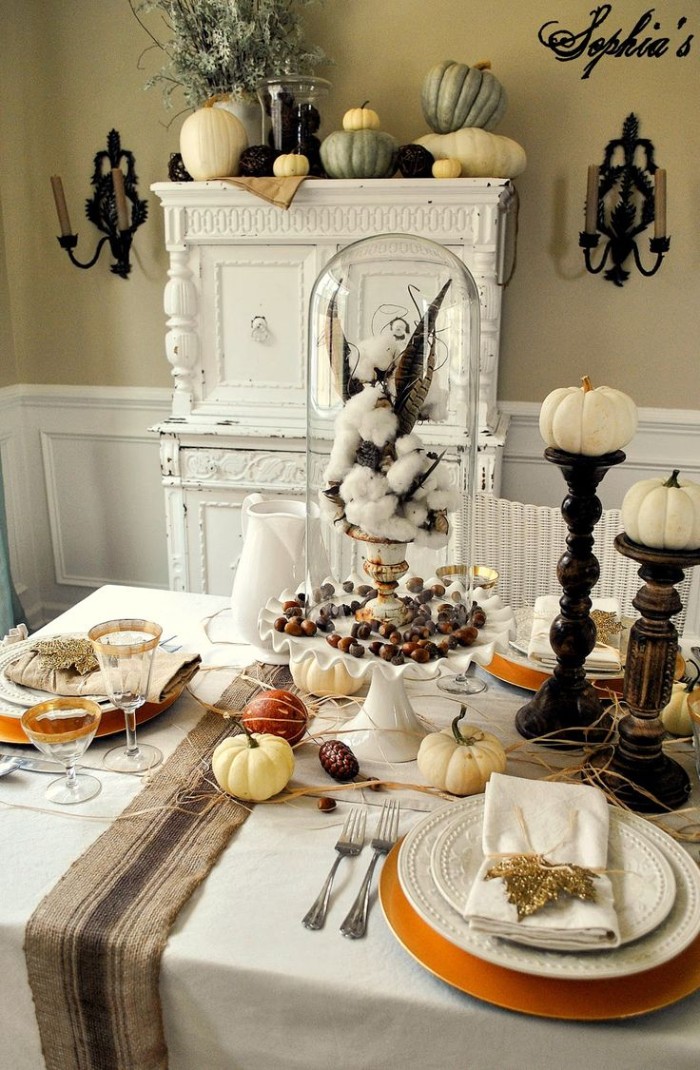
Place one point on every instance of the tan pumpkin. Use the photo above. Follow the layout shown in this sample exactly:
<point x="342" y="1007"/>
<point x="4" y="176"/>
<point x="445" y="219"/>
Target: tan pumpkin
<point x="335" y="680"/>
<point x="291" y="165"/>
<point x="587" y="420"/>
<point x="482" y="155"/>
<point x="663" y="514"/>
<point x="460" y="759"/>
<point x="447" y="168"/>
<point x="253" y="767"/>
<point x="362" y="118"/>
<point x="211" y="143"/>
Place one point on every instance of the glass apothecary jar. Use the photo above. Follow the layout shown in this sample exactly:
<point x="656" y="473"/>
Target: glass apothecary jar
<point x="291" y="119"/>
<point x="392" y="414"/>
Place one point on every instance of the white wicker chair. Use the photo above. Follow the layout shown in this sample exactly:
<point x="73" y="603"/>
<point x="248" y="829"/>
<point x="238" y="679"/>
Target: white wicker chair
<point x="525" y="542"/>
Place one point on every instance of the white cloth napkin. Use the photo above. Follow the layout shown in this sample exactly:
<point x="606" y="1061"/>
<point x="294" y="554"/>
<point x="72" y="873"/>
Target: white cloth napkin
<point x="605" y="656"/>
<point x="565" y="823"/>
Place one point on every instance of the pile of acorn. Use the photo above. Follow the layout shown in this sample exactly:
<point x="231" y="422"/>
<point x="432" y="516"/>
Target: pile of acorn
<point x="433" y="628"/>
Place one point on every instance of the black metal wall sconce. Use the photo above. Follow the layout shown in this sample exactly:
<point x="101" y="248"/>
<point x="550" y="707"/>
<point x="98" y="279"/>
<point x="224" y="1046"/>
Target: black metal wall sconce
<point x="114" y="207"/>
<point x="624" y="196"/>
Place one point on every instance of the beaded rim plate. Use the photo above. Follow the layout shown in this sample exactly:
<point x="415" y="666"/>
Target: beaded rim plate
<point x="543" y="997"/>
<point x="679" y="928"/>
<point x="18" y="694"/>
<point x="642" y="879"/>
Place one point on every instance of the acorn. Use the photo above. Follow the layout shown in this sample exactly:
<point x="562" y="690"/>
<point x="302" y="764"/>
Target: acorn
<point x="338" y="760"/>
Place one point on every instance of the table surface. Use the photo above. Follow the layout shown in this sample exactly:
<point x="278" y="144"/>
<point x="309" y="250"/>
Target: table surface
<point x="243" y="983"/>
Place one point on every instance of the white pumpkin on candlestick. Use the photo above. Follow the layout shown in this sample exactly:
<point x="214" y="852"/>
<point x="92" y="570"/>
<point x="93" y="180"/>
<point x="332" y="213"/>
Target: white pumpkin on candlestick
<point x="591" y="421"/>
<point x="663" y="514"/>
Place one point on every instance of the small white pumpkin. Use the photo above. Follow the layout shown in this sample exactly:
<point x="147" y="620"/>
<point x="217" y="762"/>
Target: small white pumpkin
<point x="587" y="420"/>
<point x="291" y="165"/>
<point x="663" y="514"/>
<point x="675" y="716"/>
<point x="448" y="167"/>
<point x="253" y="766"/>
<point x="460" y="759"/>
<point x="211" y="143"/>
<point x="335" y="680"/>
<point x="362" y="118"/>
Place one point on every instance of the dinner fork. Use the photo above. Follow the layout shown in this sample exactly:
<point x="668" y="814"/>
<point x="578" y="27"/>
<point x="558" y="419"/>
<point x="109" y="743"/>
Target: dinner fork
<point x="355" y="924"/>
<point x="350" y="842"/>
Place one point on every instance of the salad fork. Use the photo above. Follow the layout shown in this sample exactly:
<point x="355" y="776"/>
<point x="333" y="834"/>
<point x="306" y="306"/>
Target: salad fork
<point x="350" y="843"/>
<point x="355" y="924"/>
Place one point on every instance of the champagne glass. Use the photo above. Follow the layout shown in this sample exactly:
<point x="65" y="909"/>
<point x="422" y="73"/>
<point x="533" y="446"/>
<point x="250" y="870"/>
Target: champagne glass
<point x="63" y="729"/>
<point x="125" y="649"/>
<point x="465" y="683"/>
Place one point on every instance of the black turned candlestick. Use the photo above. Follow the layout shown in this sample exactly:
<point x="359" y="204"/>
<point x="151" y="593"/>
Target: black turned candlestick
<point x="566" y="707"/>
<point x="638" y="760"/>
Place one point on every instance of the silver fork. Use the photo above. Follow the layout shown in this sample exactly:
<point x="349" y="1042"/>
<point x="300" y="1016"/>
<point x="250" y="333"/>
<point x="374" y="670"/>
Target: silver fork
<point x="355" y="924"/>
<point x="350" y="842"/>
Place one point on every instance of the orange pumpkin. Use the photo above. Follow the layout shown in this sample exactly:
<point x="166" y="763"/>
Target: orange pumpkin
<point x="278" y="713"/>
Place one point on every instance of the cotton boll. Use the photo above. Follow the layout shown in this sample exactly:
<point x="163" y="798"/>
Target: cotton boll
<point x="378" y="426"/>
<point x="363" y="483"/>
<point x="343" y="453"/>
<point x="375" y="354"/>
<point x="328" y="509"/>
<point x="399" y="528"/>
<point x="371" y="515"/>
<point x="435" y="405"/>
<point x="443" y="498"/>
<point x="416" y="512"/>
<point x="434" y="539"/>
<point x="358" y="404"/>
<point x="402" y="473"/>
<point x="407" y="444"/>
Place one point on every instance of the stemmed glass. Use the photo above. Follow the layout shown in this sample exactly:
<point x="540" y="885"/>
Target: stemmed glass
<point x="63" y="729"/>
<point x="125" y="649"/>
<point x="465" y="683"/>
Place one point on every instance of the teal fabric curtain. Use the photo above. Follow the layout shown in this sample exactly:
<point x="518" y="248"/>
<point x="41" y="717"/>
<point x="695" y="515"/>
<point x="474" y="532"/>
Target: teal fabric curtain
<point x="10" y="608"/>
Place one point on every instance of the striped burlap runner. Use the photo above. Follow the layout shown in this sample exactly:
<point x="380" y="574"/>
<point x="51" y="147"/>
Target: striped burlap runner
<point x="93" y="945"/>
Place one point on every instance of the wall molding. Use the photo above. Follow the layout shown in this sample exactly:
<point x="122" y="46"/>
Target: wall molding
<point x="62" y="445"/>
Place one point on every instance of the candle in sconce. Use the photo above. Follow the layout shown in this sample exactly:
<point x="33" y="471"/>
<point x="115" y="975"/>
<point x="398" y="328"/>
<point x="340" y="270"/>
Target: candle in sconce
<point x="61" y="206"/>
<point x="592" y="200"/>
<point x="120" y="198"/>
<point x="660" y="204"/>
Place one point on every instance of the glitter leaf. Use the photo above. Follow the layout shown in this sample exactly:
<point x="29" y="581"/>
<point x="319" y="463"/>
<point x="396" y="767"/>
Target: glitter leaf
<point x="531" y="882"/>
<point x="69" y="653"/>
<point x="606" y="624"/>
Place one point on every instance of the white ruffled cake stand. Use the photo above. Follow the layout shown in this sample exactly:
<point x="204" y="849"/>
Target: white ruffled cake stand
<point x="386" y="728"/>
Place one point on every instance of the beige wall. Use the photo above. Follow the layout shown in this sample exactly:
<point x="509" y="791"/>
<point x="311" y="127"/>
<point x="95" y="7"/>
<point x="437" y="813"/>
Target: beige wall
<point x="69" y="73"/>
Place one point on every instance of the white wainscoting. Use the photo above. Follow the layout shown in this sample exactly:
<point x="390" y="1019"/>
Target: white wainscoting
<point x="86" y="507"/>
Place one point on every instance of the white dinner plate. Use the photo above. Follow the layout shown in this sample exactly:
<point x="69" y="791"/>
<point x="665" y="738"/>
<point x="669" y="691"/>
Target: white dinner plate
<point x="643" y="884"/>
<point x="675" y="932"/>
<point x="20" y="695"/>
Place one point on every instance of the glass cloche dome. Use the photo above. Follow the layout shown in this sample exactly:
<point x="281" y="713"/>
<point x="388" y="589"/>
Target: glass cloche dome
<point x="392" y="414"/>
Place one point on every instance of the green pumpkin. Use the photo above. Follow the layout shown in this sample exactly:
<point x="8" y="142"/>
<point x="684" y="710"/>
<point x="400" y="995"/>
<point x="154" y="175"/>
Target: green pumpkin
<point x="455" y="95"/>
<point x="359" y="154"/>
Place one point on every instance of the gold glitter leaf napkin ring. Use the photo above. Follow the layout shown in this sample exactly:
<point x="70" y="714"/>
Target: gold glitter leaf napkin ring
<point x="69" y="652"/>
<point x="531" y="882"/>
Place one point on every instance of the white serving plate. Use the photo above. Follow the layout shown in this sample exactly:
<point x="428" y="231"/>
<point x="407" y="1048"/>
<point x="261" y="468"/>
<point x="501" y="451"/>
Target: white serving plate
<point x="672" y="935"/>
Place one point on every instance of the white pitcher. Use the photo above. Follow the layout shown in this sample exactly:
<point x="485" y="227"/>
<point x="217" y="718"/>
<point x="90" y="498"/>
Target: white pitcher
<point x="271" y="560"/>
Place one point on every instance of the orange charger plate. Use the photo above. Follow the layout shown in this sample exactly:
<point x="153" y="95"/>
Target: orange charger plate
<point x="585" y="1000"/>
<point x="112" y="720"/>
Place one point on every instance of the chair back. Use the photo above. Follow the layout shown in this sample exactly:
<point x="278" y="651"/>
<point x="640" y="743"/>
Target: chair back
<point x="525" y="542"/>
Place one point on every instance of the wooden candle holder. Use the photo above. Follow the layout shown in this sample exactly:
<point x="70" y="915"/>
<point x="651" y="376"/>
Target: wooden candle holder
<point x="638" y="760"/>
<point x="567" y="708"/>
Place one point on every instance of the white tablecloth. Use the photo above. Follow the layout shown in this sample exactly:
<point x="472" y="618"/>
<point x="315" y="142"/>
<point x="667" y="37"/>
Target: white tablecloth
<point x="244" y="986"/>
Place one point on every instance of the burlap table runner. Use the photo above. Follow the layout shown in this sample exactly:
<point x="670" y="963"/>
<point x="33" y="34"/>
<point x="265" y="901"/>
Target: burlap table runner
<point x="93" y="945"/>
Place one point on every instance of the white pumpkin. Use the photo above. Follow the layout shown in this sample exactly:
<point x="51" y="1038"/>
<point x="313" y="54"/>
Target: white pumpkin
<point x="481" y="154"/>
<point x="447" y="168"/>
<point x="587" y="420"/>
<point x="253" y="766"/>
<point x="675" y="716"/>
<point x="291" y="165"/>
<point x="335" y="680"/>
<point x="211" y="143"/>
<point x="663" y="514"/>
<point x="460" y="759"/>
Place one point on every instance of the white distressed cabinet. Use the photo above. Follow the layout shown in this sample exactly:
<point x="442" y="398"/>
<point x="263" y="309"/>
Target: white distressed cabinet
<point x="236" y="301"/>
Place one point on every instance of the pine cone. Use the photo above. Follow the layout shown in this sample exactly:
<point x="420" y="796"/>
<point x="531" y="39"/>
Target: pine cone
<point x="338" y="760"/>
<point x="368" y="454"/>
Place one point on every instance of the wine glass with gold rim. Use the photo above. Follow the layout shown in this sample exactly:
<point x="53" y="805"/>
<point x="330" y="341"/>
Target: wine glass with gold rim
<point x="124" y="649"/>
<point x="468" y="578"/>
<point x="63" y="729"/>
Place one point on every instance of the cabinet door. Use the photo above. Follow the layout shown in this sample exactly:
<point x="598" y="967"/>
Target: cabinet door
<point x="254" y="311"/>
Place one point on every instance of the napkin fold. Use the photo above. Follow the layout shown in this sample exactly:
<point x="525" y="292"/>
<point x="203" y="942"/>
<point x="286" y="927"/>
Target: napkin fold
<point x="605" y="656"/>
<point x="277" y="191"/>
<point x="170" y="672"/>
<point x="566" y="823"/>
